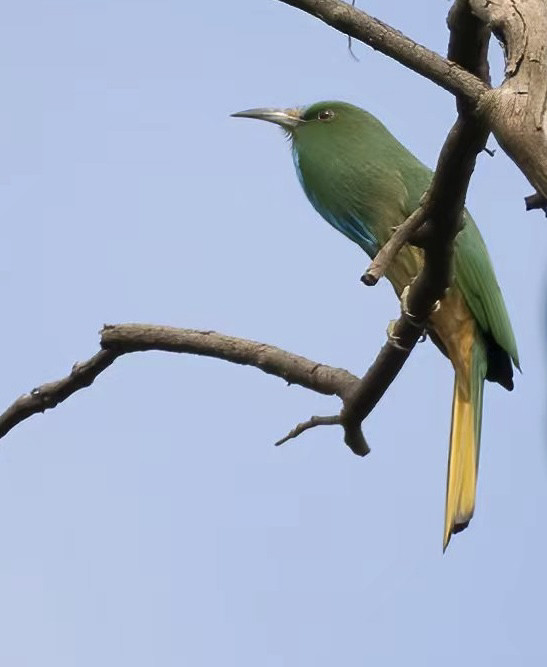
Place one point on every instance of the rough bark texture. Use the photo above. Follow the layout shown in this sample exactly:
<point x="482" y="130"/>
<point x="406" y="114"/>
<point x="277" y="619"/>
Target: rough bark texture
<point x="516" y="110"/>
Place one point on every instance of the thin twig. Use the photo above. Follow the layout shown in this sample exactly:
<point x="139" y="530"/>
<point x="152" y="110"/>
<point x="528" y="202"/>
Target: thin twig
<point x="388" y="251"/>
<point x="350" y="46"/>
<point x="312" y="422"/>
<point x="49" y="395"/>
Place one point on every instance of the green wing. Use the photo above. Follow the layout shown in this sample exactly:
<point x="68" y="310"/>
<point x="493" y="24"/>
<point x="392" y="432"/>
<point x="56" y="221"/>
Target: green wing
<point x="475" y="277"/>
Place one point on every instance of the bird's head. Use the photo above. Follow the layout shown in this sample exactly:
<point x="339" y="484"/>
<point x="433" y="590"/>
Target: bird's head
<point x="322" y="119"/>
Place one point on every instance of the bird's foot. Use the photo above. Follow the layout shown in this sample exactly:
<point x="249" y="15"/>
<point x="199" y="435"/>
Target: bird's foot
<point x="393" y="339"/>
<point x="410" y="317"/>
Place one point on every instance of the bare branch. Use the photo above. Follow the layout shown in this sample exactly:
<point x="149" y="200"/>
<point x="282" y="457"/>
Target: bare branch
<point x="387" y="253"/>
<point x="49" y="395"/>
<point x="125" y="338"/>
<point x="312" y="422"/>
<point x="535" y="201"/>
<point x="350" y="422"/>
<point x="392" y="43"/>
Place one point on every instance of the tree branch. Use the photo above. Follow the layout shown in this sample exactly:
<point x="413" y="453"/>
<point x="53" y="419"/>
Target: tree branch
<point x="126" y="338"/>
<point x="312" y="422"/>
<point x="387" y="253"/>
<point x="49" y="395"/>
<point x="382" y="37"/>
<point x="535" y="201"/>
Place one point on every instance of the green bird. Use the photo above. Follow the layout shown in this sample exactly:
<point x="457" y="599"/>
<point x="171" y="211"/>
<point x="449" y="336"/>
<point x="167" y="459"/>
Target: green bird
<point x="365" y="183"/>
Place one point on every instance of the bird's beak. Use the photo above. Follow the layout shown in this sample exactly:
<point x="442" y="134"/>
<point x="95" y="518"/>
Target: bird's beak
<point x="287" y="118"/>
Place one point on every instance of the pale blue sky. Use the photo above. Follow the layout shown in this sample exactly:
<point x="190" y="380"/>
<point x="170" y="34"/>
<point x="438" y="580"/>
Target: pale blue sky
<point x="149" y="520"/>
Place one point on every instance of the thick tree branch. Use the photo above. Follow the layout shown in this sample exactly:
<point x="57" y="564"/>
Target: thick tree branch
<point x="516" y="111"/>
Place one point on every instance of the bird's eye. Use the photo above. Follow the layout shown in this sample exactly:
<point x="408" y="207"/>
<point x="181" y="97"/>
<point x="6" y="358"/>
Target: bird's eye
<point x="325" y="114"/>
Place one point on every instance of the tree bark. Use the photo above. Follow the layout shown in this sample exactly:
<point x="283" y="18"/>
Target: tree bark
<point x="516" y="110"/>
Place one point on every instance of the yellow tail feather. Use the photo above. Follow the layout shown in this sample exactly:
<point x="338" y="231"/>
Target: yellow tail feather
<point x="462" y="462"/>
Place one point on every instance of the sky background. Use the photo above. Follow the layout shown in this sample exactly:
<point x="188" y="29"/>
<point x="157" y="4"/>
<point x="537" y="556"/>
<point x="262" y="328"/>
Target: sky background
<point x="149" y="520"/>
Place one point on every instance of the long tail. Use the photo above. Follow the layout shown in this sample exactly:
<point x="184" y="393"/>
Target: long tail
<point x="463" y="459"/>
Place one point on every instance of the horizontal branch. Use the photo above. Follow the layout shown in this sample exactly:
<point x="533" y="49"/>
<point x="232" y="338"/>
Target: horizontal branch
<point x="382" y="37"/>
<point x="294" y="369"/>
<point x="126" y="338"/>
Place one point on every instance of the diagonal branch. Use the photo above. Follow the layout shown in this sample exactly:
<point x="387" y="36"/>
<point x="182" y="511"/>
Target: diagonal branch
<point x="382" y="37"/>
<point x="404" y="233"/>
<point x="49" y="395"/>
<point x="442" y="208"/>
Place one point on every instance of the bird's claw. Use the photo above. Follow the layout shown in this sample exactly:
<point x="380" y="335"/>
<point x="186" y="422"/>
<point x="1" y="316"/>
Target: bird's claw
<point x="393" y="339"/>
<point x="410" y="317"/>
